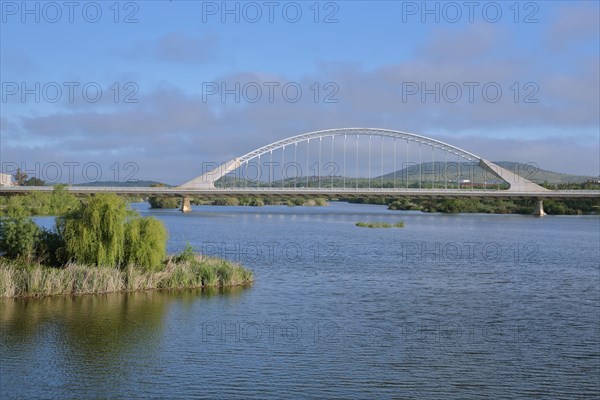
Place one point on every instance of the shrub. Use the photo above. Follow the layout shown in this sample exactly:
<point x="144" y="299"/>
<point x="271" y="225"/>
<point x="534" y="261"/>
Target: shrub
<point x="51" y="248"/>
<point x="187" y="255"/>
<point x="61" y="201"/>
<point x="163" y="202"/>
<point x="553" y="207"/>
<point x="58" y="202"/>
<point x="226" y="201"/>
<point x="256" y="202"/>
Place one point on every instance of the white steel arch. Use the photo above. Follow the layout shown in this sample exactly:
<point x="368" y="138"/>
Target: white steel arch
<point x="361" y="132"/>
<point x="208" y="179"/>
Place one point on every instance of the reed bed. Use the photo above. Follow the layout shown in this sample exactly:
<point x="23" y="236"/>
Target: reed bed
<point x="74" y="279"/>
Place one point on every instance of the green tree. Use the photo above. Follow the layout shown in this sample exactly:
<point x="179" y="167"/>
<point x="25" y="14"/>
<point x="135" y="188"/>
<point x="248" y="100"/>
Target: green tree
<point x="449" y="206"/>
<point x="20" y="177"/>
<point x="553" y="207"/>
<point x="162" y="202"/>
<point x="145" y="243"/>
<point x="61" y="201"/>
<point x="33" y="181"/>
<point x="50" y="248"/>
<point x="18" y="233"/>
<point x="104" y="232"/>
<point x="36" y="203"/>
<point x="95" y="233"/>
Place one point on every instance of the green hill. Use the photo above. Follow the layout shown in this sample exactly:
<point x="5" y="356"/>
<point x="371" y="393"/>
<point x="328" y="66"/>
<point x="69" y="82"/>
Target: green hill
<point x="119" y="184"/>
<point x="471" y="171"/>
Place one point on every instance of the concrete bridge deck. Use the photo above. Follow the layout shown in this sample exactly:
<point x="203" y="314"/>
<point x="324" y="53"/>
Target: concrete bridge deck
<point x="311" y="192"/>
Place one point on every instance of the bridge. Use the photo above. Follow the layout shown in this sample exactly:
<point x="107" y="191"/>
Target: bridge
<point x="351" y="162"/>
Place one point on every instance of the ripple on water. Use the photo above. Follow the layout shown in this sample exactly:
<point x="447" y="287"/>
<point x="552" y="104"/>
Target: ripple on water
<point x="347" y="314"/>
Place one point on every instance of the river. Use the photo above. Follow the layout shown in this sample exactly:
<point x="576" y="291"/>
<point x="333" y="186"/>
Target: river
<point x="450" y="306"/>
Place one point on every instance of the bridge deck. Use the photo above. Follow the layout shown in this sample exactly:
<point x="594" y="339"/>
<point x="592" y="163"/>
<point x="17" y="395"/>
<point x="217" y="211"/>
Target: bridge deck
<point x="317" y="192"/>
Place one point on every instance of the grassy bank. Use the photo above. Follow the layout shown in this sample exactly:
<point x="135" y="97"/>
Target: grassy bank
<point x="17" y="280"/>
<point x="489" y="206"/>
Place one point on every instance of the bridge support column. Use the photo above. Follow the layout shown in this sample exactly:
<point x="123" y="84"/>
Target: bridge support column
<point x="186" y="206"/>
<point x="539" y="209"/>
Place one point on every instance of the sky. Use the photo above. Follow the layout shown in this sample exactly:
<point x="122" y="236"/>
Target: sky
<point x="154" y="89"/>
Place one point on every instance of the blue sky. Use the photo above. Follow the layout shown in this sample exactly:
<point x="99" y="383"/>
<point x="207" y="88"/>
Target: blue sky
<point x="166" y="55"/>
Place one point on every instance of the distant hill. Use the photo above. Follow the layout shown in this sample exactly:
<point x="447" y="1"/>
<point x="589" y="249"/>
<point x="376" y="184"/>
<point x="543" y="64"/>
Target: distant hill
<point x="466" y="170"/>
<point x="455" y="172"/>
<point x="119" y="184"/>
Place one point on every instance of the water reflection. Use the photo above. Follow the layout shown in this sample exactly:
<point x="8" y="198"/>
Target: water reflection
<point x="90" y="322"/>
<point x="90" y="341"/>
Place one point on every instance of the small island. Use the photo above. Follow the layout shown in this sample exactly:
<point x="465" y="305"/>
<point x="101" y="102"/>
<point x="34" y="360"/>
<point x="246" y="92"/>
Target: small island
<point x="100" y="246"/>
<point x="380" y="225"/>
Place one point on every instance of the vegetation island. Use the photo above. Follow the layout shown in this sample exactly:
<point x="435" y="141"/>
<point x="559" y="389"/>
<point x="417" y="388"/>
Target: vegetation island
<point x="98" y="245"/>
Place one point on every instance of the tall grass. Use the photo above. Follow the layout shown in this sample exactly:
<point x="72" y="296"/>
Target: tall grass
<point x="38" y="280"/>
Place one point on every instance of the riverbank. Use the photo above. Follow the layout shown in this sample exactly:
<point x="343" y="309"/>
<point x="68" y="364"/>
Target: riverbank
<point x="38" y="280"/>
<point x="250" y="201"/>
<point x="484" y="206"/>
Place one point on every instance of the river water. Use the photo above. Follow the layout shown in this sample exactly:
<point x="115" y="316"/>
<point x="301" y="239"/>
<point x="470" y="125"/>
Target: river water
<point x="450" y="306"/>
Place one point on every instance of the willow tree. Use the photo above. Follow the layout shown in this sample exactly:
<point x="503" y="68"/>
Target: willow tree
<point x="103" y="232"/>
<point x="145" y="243"/>
<point x="61" y="201"/>
<point x="94" y="233"/>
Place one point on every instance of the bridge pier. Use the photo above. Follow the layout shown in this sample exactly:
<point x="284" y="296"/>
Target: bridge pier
<point x="186" y="206"/>
<point x="539" y="208"/>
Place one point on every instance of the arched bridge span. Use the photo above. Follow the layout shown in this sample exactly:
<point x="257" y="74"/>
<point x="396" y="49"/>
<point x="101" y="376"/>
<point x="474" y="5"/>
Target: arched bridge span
<point x="515" y="182"/>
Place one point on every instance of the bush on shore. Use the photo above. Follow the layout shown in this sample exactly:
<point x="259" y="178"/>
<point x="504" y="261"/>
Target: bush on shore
<point x="163" y="202"/>
<point x="57" y="202"/>
<point x="19" y="235"/>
